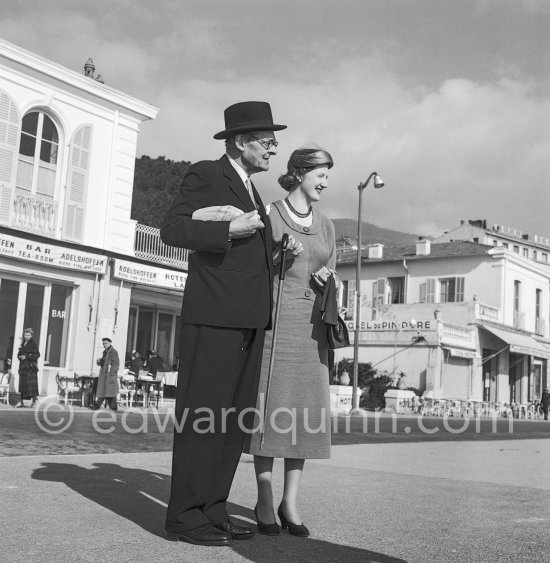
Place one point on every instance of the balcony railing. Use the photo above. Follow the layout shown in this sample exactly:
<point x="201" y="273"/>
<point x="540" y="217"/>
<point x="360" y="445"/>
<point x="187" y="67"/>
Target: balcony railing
<point x="35" y="215"/>
<point x="519" y="320"/>
<point x="456" y="335"/>
<point x="487" y="313"/>
<point x="540" y="326"/>
<point x="149" y="246"/>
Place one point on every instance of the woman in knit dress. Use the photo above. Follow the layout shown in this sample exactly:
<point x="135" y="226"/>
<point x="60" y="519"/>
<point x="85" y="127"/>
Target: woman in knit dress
<point x="28" y="369"/>
<point x="298" y="414"/>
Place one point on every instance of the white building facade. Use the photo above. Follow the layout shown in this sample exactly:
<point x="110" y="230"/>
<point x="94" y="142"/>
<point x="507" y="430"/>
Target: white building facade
<point x="73" y="265"/>
<point x="462" y="320"/>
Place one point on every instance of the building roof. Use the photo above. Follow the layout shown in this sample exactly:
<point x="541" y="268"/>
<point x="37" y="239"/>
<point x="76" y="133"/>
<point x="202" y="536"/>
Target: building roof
<point x="408" y="252"/>
<point x="34" y="62"/>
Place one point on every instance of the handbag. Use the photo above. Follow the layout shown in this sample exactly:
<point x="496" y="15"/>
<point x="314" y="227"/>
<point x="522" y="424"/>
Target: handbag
<point x="338" y="335"/>
<point x="337" y="331"/>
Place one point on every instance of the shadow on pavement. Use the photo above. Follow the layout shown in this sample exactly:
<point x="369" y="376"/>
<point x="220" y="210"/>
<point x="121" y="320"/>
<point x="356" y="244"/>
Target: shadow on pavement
<point x="140" y="496"/>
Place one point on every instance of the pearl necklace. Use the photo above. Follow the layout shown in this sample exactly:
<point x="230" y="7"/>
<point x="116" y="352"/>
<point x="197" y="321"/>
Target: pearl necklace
<point x="297" y="213"/>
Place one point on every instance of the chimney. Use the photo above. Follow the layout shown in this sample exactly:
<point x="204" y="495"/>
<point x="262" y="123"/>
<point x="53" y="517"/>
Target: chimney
<point x="423" y="247"/>
<point x="375" y="251"/>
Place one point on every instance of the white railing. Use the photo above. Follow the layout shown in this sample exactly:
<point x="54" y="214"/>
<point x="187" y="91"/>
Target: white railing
<point x="456" y="335"/>
<point x="519" y="320"/>
<point x="149" y="246"/>
<point x="30" y="213"/>
<point x="487" y="312"/>
<point x="540" y="326"/>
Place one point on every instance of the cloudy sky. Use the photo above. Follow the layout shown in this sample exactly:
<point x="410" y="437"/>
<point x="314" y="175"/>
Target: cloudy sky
<point x="448" y="100"/>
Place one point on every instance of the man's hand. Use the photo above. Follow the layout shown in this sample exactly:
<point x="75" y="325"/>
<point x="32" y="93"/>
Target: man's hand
<point x="245" y="225"/>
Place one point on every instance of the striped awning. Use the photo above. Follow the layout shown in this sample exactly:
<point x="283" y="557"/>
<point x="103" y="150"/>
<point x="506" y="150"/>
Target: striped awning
<point x="520" y="343"/>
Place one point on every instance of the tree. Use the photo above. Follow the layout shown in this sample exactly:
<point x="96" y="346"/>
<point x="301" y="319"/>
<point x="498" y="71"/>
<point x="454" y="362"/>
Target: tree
<point x="156" y="183"/>
<point x="373" y="384"/>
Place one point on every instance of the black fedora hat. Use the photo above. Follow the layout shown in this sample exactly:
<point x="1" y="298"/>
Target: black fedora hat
<point x="248" y="116"/>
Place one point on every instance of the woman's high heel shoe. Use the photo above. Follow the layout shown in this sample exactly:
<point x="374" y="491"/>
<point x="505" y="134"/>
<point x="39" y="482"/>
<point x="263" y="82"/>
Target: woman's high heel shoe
<point x="294" y="529"/>
<point x="267" y="529"/>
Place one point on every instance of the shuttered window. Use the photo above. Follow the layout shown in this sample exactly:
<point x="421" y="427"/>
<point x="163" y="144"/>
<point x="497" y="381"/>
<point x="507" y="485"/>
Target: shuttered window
<point x="427" y="291"/>
<point x="38" y="153"/>
<point x="9" y="138"/>
<point x="77" y="184"/>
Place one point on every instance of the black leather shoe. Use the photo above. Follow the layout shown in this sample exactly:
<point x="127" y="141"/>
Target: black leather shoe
<point x="298" y="530"/>
<point x="203" y="535"/>
<point x="267" y="529"/>
<point x="237" y="532"/>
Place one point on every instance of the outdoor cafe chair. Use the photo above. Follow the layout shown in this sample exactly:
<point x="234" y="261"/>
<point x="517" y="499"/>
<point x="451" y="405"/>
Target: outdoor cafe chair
<point x="126" y="390"/>
<point x="5" y="387"/>
<point x="453" y="409"/>
<point x="157" y="391"/>
<point x="466" y="409"/>
<point x="439" y="407"/>
<point x="68" y="389"/>
<point x="427" y="407"/>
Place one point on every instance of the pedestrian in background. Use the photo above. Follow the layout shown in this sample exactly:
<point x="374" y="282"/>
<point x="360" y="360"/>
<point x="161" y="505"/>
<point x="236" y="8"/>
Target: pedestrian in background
<point x="107" y="382"/>
<point x="28" y="355"/>
<point x="135" y="364"/>
<point x="545" y="403"/>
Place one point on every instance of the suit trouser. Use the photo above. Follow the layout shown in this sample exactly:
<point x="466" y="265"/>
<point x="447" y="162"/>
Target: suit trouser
<point x="218" y="379"/>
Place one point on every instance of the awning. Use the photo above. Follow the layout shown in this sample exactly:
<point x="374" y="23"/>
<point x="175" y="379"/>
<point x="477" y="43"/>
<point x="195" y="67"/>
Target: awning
<point x="521" y="343"/>
<point x="461" y="353"/>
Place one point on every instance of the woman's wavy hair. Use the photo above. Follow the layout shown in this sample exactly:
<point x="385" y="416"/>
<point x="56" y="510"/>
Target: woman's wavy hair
<point x="302" y="160"/>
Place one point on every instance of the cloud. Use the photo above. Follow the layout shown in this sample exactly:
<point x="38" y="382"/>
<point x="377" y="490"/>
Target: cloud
<point x="467" y="145"/>
<point x="462" y="150"/>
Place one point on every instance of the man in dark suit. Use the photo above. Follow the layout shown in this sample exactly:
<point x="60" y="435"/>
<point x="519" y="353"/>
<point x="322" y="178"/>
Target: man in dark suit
<point x="226" y="309"/>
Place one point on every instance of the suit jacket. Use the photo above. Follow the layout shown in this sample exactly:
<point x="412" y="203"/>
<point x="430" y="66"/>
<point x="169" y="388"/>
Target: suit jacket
<point x="229" y="283"/>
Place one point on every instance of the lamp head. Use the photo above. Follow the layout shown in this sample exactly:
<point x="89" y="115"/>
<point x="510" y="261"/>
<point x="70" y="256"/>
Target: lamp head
<point x="378" y="182"/>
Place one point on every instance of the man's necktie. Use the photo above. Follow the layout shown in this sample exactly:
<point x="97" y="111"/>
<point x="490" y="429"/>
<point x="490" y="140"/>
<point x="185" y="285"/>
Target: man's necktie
<point x="248" y="185"/>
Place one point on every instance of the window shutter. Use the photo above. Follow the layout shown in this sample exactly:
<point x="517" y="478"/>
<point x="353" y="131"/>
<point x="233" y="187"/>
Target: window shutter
<point x="422" y="293"/>
<point x="10" y="122"/>
<point x="77" y="184"/>
<point x="381" y="291"/>
<point x="459" y="289"/>
<point x="430" y="290"/>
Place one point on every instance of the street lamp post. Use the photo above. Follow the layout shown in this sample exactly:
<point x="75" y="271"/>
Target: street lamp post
<point x="378" y="183"/>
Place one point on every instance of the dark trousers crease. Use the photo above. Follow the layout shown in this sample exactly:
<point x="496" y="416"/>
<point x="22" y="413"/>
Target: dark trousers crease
<point x="219" y="370"/>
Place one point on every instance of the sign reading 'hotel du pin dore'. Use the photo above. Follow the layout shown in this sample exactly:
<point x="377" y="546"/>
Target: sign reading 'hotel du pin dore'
<point x="51" y="255"/>
<point x="149" y="275"/>
<point x="397" y="325"/>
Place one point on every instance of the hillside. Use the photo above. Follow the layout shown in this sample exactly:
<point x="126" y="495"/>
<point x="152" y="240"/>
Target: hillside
<point x="371" y="233"/>
<point x="157" y="179"/>
<point x="155" y="182"/>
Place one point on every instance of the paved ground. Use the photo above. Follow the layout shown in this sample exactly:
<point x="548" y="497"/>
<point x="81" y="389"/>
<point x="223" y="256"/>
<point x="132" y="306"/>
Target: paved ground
<point x="53" y="429"/>
<point x="418" y="498"/>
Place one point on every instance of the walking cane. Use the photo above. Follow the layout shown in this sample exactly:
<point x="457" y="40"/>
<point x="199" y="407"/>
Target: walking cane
<point x="284" y="245"/>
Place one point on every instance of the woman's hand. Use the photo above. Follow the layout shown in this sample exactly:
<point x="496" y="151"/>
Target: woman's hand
<point x="321" y="276"/>
<point x="295" y="246"/>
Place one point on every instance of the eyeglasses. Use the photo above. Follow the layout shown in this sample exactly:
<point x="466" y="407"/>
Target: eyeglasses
<point x="266" y="143"/>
